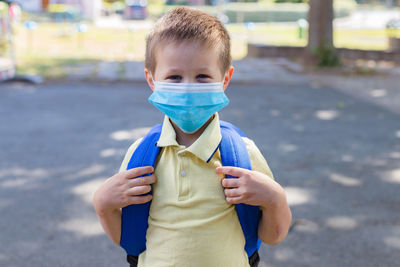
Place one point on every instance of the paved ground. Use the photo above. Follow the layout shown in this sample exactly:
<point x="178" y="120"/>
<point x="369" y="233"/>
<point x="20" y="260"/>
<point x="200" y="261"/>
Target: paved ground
<point x="333" y="142"/>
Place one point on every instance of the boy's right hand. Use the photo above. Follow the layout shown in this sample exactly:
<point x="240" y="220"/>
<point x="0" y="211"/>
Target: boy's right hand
<point x="124" y="189"/>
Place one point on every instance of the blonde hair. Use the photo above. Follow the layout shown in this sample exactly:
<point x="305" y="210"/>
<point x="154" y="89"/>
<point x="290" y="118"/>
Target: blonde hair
<point x="186" y="24"/>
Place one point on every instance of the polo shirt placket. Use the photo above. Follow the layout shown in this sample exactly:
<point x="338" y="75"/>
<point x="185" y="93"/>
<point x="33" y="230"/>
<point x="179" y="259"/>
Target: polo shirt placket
<point x="184" y="181"/>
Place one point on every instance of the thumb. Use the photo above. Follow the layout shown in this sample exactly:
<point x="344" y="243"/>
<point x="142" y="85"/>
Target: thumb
<point x="233" y="171"/>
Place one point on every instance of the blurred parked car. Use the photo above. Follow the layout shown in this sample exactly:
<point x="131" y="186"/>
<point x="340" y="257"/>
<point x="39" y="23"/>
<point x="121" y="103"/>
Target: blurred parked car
<point x="135" y="9"/>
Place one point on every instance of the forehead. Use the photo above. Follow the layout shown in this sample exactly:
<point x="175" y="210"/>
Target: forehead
<point x="188" y="55"/>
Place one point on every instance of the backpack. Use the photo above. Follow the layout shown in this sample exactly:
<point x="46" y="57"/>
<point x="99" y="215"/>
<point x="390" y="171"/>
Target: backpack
<point x="233" y="153"/>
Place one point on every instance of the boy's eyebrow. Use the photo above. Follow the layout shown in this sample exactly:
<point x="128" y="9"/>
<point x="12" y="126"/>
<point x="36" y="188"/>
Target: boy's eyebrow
<point x="172" y="69"/>
<point x="204" y="68"/>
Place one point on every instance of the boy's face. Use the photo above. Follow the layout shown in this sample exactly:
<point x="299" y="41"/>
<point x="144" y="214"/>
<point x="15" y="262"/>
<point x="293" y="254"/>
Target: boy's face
<point x="187" y="62"/>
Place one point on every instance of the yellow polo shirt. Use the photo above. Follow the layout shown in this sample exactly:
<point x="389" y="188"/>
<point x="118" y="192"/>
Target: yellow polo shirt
<point x="190" y="222"/>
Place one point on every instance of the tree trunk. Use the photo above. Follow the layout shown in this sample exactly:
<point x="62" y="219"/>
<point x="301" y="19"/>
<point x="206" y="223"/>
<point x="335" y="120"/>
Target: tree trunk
<point x="320" y="18"/>
<point x="320" y="35"/>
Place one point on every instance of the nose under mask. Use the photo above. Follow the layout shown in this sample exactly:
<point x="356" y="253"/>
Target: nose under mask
<point x="188" y="105"/>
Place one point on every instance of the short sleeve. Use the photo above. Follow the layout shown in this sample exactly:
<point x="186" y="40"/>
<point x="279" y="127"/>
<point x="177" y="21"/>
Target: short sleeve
<point x="258" y="161"/>
<point x="129" y="154"/>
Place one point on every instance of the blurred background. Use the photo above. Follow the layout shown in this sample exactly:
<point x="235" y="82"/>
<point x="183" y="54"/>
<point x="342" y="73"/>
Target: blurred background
<point x="46" y="36"/>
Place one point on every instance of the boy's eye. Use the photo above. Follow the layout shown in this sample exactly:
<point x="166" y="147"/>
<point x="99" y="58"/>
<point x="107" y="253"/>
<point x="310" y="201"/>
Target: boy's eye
<point x="202" y="77"/>
<point x="175" y="78"/>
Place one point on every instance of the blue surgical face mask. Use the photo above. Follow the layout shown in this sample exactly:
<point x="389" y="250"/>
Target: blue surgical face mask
<point x="189" y="105"/>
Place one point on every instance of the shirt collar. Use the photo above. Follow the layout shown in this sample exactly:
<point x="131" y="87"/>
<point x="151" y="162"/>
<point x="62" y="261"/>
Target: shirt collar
<point x="204" y="147"/>
<point x="168" y="135"/>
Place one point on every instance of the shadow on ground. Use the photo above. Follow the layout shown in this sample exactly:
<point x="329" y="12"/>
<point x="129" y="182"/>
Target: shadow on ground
<point x="337" y="157"/>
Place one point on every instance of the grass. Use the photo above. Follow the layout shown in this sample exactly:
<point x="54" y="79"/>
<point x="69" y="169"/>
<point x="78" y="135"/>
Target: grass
<point x="50" y="47"/>
<point x="369" y="39"/>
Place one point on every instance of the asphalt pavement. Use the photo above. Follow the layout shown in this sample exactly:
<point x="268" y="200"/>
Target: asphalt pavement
<point x="336" y="151"/>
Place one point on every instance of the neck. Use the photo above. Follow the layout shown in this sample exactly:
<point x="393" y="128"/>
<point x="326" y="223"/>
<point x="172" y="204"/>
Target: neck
<point x="187" y="139"/>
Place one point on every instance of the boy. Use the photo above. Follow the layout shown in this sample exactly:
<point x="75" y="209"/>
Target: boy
<point x="192" y="219"/>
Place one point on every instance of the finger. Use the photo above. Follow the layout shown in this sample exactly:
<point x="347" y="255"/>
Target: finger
<point x="234" y="200"/>
<point x="139" y="190"/>
<point x="139" y="171"/>
<point x="232" y="192"/>
<point x="233" y="171"/>
<point x="139" y="199"/>
<point x="145" y="180"/>
<point x="230" y="183"/>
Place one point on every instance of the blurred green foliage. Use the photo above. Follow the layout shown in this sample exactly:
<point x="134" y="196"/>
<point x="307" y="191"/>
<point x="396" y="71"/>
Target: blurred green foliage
<point x="262" y="11"/>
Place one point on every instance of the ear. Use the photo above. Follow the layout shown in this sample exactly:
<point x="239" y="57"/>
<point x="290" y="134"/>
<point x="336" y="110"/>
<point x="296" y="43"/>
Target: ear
<point x="228" y="77"/>
<point x="149" y="78"/>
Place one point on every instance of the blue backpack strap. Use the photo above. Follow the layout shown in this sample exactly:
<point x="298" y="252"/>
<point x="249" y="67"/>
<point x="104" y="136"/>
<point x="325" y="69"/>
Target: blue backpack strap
<point x="134" y="227"/>
<point x="234" y="152"/>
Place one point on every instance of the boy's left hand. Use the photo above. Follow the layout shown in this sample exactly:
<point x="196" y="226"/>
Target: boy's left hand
<point x="258" y="189"/>
<point x="251" y="187"/>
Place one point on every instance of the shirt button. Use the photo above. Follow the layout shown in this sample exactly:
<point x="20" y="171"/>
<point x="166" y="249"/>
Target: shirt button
<point x="183" y="173"/>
